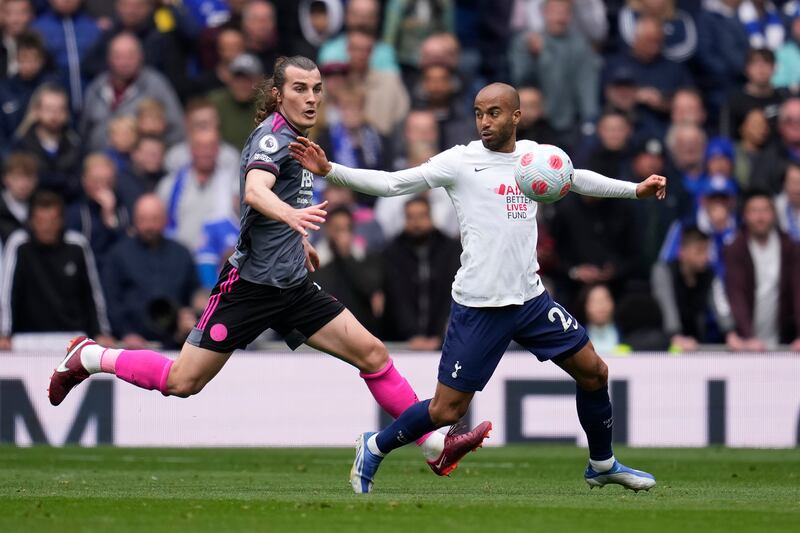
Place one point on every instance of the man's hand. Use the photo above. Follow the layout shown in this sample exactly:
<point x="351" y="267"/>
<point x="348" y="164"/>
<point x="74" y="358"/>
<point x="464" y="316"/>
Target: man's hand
<point x="795" y="346"/>
<point x="5" y="344"/>
<point x="105" y="340"/>
<point x="302" y="219"/>
<point x="684" y="343"/>
<point x="655" y="185"/>
<point x="310" y="155"/>
<point x="312" y="257"/>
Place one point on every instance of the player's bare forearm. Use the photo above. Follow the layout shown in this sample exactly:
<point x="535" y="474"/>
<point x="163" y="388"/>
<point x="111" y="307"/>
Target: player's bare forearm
<point x="258" y="194"/>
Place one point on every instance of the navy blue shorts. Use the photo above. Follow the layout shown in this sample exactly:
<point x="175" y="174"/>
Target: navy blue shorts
<point x="477" y="338"/>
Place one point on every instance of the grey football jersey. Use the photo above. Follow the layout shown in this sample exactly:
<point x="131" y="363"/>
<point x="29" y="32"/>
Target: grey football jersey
<point x="270" y="252"/>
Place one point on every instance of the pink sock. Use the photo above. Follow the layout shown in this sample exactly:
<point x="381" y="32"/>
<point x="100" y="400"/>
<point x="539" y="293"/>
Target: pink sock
<point x="144" y="368"/>
<point x="392" y="392"/>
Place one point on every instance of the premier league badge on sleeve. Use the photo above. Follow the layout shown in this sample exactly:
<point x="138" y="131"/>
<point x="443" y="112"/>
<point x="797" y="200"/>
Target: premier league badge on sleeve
<point x="269" y="144"/>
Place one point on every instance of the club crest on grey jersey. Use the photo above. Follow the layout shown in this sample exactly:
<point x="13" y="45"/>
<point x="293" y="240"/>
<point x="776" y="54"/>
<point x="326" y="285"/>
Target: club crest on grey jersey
<point x="270" y="252"/>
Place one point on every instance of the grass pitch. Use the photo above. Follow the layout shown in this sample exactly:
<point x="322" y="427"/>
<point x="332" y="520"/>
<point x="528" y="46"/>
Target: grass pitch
<point x="530" y="488"/>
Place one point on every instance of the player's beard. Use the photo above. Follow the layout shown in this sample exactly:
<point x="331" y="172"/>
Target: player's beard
<point x="500" y="138"/>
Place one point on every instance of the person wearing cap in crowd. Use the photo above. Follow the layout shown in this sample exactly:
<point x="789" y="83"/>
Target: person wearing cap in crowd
<point x="236" y="101"/>
<point x="716" y="217"/>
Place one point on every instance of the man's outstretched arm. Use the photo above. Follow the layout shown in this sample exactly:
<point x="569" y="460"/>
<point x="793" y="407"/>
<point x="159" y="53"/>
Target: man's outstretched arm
<point x="373" y="182"/>
<point x="591" y="183"/>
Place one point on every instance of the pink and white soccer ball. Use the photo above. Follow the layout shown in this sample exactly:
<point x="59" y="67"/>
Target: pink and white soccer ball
<point x="544" y="174"/>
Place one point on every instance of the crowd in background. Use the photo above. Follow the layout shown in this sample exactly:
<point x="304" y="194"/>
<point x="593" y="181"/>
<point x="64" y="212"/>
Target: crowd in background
<point x="121" y="124"/>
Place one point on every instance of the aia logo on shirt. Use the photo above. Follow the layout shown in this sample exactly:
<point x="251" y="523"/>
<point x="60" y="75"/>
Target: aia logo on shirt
<point x="516" y="203"/>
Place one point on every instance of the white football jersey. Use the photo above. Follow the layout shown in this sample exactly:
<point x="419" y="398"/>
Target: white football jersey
<point x="498" y="224"/>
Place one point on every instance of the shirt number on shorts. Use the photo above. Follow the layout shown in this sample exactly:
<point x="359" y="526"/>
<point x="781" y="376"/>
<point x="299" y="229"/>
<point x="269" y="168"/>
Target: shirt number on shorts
<point x="566" y="320"/>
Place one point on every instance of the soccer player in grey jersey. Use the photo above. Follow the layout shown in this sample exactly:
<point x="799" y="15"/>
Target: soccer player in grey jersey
<point x="265" y="284"/>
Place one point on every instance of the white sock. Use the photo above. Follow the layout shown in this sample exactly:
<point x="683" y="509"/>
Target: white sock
<point x="91" y="355"/>
<point x="433" y="446"/>
<point x="602" y="466"/>
<point x="372" y="445"/>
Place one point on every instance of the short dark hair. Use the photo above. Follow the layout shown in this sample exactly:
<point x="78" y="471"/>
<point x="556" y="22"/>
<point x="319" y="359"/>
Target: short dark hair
<point x="340" y="210"/>
<point x="44" y="199"/>
<point x="31" y="40"/>
<point x="691" y="234"/>
<point x="21" y="162"/>
<point x="419" y="199"/>
<point x="760" y="53"/>
<point x="752" y="194"/>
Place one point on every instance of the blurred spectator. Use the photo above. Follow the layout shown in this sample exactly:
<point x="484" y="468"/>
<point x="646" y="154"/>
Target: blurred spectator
<point x="144" y="172"/>
<point x="639" y="322"/>
<point x="350" y="275"/>
<point x="688" y="291"/>
<point x="763" y="24"/>
<point x="716" y="218"/>
<point x="318" y="20"/>
<point x="69" y="34"/>
<point x="199" y="192"/>
<point x="686" y="144"/>
<point x="16" y="91"/>
<point x="122" y="139"/>
<point x="440" y="92"/>
<point x="595" y="240"/>
<point x="16" y="16"/>
<point x="770" y="166"/>
<point x="363" y="15"/>
<point x="532" y="123"/>
<point x="387" y="101"/>
<point x="208" y="13"/>
<point x="722" y="48"/>
<point x="787" y="58"/>
<point x="206" y="45"/>
<point x="719" y="158"/>
<point x="761" y="280"/>
<point x="757" y="93"/>
<point x="367" y="232"/>
<point x="553" y="60"/>
<point x="50" y="281"/>
<point x="119" y="91"/>
<point x="236" y="101"/>
<point x="420" y="143"/>
<point x="418" y="270"/>
<point x="99" y="216"/>
<point x="753" y="135"/>
<point x="680" y="32"/>
<point x="787" y="203"/>
<point x="482" y="28"/>
<point x="407" y="23"/>
<point x="200" y="115"/>
<point x="590" y="18"/>
<point x="619" y="94"/>
<point x="656" y="77"/>
<point x="687" y="106"/>
<point x="19" y="183"/>
<point x="166" y="35"/>
<point x="151" y="118"/>
<point x="216" y="245"/>
<point x="259" y="27"/>
<point x="151" y="280"/>
<point x="352" y="141"/>
<point x="610" y="155"/>
<point x="230" y="45"/>
<point x="597" y="307"/>
<point x="45" y="134"/>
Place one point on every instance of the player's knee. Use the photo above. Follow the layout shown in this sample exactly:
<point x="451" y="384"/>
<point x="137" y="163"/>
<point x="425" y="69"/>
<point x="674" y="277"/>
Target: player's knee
<point x="596" y="378"/>
<point x="376" y="358"/>
<point x="185" y="387"/>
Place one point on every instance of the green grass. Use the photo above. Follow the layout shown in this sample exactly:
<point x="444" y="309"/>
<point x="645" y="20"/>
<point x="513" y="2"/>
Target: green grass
<point x="532" y="488"/>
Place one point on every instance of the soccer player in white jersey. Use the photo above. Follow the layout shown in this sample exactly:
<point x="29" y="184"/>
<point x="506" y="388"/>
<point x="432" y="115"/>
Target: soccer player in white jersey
<point x="497" y="293"/>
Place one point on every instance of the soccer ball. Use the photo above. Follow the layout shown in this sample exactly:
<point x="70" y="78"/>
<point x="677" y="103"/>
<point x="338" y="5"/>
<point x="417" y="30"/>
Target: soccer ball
<point x="544" y="174"/>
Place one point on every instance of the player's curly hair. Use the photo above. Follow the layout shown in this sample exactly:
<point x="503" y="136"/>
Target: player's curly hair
<point x="267" y="101"/>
